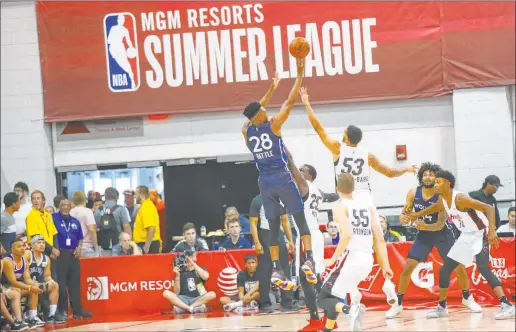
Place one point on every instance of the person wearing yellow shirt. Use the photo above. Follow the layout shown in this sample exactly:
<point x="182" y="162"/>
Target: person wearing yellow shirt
<point x="39" y="221"/>
<point x="146" y="232"/>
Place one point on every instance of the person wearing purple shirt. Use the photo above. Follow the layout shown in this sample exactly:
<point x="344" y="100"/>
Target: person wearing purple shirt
<point x="333" y="231"/>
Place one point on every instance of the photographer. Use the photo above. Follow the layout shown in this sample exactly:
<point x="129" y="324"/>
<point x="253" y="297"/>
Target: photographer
<point x="189" y="293"/>
<point x="248" y="286"/>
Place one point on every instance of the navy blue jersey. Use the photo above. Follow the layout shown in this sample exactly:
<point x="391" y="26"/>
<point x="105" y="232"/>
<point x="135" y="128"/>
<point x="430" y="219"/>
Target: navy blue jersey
<point x="268" y="149"/>
<point x="421" y="204"/>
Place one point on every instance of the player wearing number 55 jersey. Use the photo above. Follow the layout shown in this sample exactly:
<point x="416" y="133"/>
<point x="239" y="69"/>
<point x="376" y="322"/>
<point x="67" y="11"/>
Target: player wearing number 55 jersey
<point x="468" y="215"/>
<point x="263" y="138"/>
<point x="348" y="157"/>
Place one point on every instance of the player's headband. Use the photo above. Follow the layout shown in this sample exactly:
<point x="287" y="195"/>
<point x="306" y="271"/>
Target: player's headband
<point x="37" y="238"/>
<point x="252" y="109"/>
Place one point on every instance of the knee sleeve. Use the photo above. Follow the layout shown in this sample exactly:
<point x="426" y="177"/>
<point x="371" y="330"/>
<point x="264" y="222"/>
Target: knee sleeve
<point x="301" y="224"/>
<point x="274" y="225"/>
<point x="446" y="271"/>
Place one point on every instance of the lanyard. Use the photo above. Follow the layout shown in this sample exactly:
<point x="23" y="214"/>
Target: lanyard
<point x="67" y="229"/>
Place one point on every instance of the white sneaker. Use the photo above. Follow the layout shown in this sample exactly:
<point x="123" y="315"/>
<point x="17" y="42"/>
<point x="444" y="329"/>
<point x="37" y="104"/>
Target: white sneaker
<point x="390" y="292"/>
<point x="253" y="305"/>
<point x="471" y="304"/>
<point x="394" y="311"/>
<point x="228" y="307"/>
<point x="438" y="312"/>
<point x="356" y="315"/>
<point x="506" y="311"/>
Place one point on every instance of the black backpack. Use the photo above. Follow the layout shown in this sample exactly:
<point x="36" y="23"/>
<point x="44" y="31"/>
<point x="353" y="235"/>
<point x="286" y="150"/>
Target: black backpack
<point x="107" y="228"/>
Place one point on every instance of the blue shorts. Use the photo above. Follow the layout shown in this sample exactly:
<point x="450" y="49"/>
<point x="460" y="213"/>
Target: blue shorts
<point x="425" y="242"/>
<point x="276" y="188"/>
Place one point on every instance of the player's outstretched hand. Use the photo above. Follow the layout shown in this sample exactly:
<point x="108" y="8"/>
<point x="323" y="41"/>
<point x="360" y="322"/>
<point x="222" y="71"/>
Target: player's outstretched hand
<point x="493" y="238"/>
<point x="275" y="80"/>
<point x="387" y="274"/>
<point x="303" y="93"/>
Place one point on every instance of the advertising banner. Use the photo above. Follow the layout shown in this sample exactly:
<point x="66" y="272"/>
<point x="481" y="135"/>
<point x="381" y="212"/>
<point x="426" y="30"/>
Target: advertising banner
<point x="135" y="284"/>
<point x="124" y="59"/>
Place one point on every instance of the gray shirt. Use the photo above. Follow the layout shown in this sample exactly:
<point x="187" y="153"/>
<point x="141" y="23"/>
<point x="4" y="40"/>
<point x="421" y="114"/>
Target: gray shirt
<point x="7" y="221"/>
<point x="121" y="215"/>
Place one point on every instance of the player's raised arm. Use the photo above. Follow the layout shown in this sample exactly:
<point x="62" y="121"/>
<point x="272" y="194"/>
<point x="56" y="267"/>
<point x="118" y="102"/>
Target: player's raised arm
<point x="244" y="129"/>
<point x="279" y="119"/>
<point x="386" y="170"/>
<point x="332" y="144"/>
<point x="298" y="177"/>
<point x="464" y="203"/>
<point x="265" y="99"/>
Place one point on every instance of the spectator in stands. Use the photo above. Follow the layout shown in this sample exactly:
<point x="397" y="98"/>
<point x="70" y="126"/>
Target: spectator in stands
<point x="232" y="213"/>
<point x="111" y="220"/>
<point x="146" y="227"/>
<point x="388" y="234"/>
<point x="57" y="202"/>
<point x="509" y="227"/>
<point x="17" y="279"/>
<point x="189" y="294"/>
<point x="235" y="240"/>
<point x="98" y="204"/>
<point x="91" y="197"/>
<point x="15" y="323"/>
<point x="125" y="246"/>
<point x="50" y="209"/>
<point x="129" y="200"/>
<point x="90" y="246"/>
<point x="39" y="221"/>
<point x="22" y="190"/>
<point x="248" y="288"/>
<point x="333" y="230"/>
<point x="486" y="195"/>
<point x="190" y="242"/>
<point x="69" y="238"/>
<point x="8" y="226"/>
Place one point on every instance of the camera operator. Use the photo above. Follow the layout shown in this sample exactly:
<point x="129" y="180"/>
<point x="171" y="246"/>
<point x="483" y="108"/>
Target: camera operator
<point x="248" y="286"/>
<point x="189" y="294"/>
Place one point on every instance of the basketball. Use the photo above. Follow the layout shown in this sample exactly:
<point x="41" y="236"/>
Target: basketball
<point x="131" y="52"/>
<point x="299" y="48"/>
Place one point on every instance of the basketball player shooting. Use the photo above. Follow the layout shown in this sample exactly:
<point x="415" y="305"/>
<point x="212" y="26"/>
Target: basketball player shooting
<point x="443" y="239"/>
<point x="468" y="216"/>
<point x="263" y="138"/>
<point x="348" y="157"/>
<point x="352" y="260"/>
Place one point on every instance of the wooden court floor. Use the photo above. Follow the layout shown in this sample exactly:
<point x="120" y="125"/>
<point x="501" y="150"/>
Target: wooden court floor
<point x="410" y="320"/>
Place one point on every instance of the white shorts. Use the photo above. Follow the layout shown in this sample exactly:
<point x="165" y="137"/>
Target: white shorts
<point x="355" y="268"/>
<point x="467" y="246"/>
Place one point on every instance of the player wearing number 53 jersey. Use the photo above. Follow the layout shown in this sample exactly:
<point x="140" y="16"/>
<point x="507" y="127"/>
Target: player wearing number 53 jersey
<point x="353" y="259"/>
<point x="263" y="138"/>
<point x="348" y="157"/>
<point x="467" y="214"/>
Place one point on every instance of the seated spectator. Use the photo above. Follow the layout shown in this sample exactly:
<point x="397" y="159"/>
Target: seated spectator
<point x="189" y="294"/>
<point x="248" y="288"/>
<point x="190" y="242"/>
<point x="125" y="246"/>
<point x="509" y="227"/>
<point x="333" y="230"/>
<point x="388" y="234"/>
<point x="39" y="265"/>
<point x="16" y="278"/>
<point x="235" y="240"/>
<point x="232" y="213"/>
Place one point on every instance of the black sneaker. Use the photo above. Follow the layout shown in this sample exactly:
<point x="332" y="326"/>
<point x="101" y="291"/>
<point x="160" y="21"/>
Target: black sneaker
<point x="19" y="326"/>
<point x="59" y="319"/>
<point x="82" y="314"/>
<point x="34" y="322"/>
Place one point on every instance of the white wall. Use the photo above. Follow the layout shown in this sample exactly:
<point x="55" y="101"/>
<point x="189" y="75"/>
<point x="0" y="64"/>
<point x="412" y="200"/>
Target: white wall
<point x="425" y="126"/>
<point x="484" y="138"/>
<point x="26" y="140"/>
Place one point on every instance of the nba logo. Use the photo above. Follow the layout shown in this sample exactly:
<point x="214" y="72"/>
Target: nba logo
<point x="123" y="68"/>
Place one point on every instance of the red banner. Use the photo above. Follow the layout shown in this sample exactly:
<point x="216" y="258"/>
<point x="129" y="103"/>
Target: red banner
<point x="119" y="59"/>
<point x="119" y="284"/>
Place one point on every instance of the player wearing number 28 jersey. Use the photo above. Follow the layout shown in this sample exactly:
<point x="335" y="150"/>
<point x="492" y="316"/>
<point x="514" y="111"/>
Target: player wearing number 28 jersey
<point x="348" y="157"/>
<point x="263" y="139"/>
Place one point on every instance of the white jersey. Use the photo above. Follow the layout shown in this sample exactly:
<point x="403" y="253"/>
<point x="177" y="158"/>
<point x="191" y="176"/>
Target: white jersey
<point x="312" y="203"/>
<point x="470" y="221"/>
<point x="354" y="160"/>
<point x="361" y="225"/>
